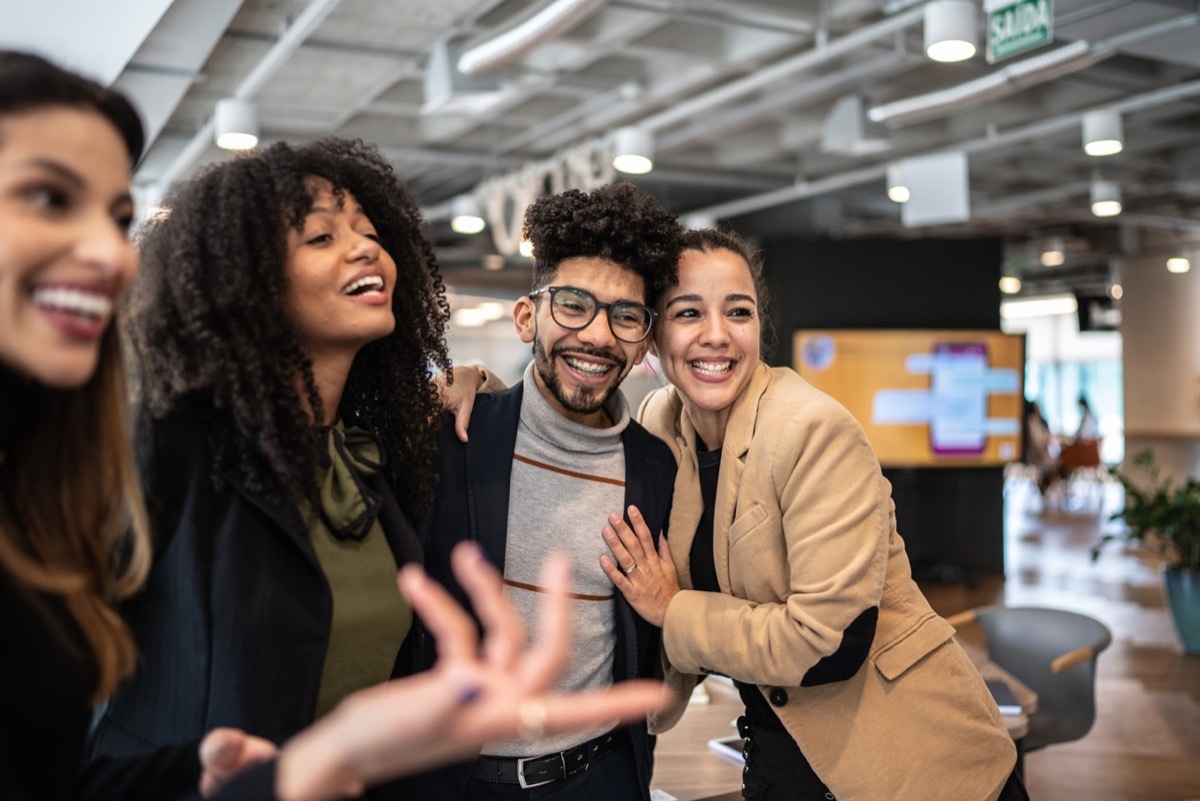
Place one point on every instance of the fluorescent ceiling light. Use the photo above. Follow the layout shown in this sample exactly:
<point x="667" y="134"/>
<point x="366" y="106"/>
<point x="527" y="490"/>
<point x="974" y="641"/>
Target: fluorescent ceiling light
<point x="491" y="310"/>
<point x="950" y="30"/>
<point x="1045" y="306"/>
<point x="466" y="218"/>
<point x="1102" y="133"/>
<point x="1106" y="198"/>
<point x="469" y="317"/>
<point x="1010" y="285"/>
<point x="633" y="151"/>
<point x="897" y="191"/>
<point x="1178" y="264"/>
<point x="1053" y="257"/>
<point x="235" y="124"/>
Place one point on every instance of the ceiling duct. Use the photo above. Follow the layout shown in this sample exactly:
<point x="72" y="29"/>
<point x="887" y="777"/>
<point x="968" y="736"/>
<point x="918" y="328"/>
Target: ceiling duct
<point x="804" y="189"/>
<point x="449" y="91"/>
<point x="1035" y="70"/>
<point x="1006" y="81"/>
<point x="513" y="43"/>
<point x="848" y="132"/>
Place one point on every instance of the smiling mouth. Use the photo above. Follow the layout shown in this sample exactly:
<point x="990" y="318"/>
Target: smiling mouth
<point x="712" y="368"/>
<point x="588" y="368"/>
<point x="368" y="284"/>
<point x="89" y="306"/>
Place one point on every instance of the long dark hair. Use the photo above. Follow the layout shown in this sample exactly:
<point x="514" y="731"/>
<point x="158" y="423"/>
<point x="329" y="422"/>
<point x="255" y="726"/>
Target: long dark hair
<point x="72" y="522"/>
<point x="28" y="82"/>
<point x="209" y="318"/>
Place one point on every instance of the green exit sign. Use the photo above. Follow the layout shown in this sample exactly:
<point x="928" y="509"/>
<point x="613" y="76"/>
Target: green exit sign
<point x="1016" y="27"/>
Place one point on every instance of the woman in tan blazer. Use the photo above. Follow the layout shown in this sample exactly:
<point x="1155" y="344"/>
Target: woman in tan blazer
<point x="785" y="571"/>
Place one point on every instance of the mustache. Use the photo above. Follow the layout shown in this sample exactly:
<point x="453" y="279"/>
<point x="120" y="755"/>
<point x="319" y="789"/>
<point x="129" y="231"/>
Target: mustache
<point x="601" y="353"/>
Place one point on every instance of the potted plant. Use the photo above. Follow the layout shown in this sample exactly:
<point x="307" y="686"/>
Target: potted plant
<point x="1165" y="515"/>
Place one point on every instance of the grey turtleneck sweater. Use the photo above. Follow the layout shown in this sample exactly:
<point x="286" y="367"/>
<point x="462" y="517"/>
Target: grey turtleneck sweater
<point x="566" y="479"/>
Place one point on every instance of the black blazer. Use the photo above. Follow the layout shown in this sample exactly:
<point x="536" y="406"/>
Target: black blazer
<point x="471" y="502"/>
<point x="44" y="687"/>
<point x="234" y="621"/>
<point x="46" y="678"/>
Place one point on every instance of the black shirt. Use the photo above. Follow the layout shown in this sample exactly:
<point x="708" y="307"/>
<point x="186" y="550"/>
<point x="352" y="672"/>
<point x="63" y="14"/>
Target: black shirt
<point x="704" y="577"/>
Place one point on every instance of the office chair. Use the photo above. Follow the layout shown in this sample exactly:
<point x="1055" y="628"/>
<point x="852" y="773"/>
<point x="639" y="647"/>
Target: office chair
<point x="1086" y="474"/>
<point x="1053" y="652"/>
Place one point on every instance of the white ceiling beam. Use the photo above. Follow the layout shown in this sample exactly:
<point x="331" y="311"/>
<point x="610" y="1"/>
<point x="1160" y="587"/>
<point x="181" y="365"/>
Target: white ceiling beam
<point x="308" y="21"/>
<point x="87" y="37"/>
<point x="170" y="60"/>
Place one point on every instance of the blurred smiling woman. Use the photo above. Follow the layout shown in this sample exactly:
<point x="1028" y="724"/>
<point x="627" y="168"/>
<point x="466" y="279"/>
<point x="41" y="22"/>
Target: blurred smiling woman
<point x="73" y="535"/>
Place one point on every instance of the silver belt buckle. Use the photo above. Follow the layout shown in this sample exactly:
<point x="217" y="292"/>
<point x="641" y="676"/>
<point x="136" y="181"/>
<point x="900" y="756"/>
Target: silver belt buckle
<point x="521" y="771"/>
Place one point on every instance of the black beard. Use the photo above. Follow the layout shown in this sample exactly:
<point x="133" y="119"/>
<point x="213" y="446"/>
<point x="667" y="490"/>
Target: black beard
<point x="585" y="400"/>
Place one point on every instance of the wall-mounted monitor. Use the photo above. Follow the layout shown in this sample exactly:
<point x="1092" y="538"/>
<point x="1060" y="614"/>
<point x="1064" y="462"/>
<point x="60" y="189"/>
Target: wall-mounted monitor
<point x="926" y="398"/>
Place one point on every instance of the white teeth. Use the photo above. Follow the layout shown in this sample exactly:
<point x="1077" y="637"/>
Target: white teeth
<point x="368" y="283"/>
<point x="588" y="368"/>
<point x="712" y="368"/>
<point x="73" y="301"/>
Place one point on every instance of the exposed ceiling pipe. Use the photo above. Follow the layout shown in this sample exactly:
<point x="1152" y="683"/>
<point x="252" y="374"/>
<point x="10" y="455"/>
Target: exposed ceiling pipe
<point x="709" y="126"/>
<point x="312" y="16"/>
<point x="620" y="94"/>
<point x="720" y="13"/>
<point x="765" y="76"/>
<point x="815" y="57"/>
<point x="1078" y="55"/>
<point x="1001" y="83"/>
<point x="833" y="183"/>
<point x="511" y="44"/>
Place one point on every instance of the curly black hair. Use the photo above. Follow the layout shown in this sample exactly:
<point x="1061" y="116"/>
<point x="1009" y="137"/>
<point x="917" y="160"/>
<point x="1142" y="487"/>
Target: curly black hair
<point x="618" y="222"/>
<point x="208" y="316"/>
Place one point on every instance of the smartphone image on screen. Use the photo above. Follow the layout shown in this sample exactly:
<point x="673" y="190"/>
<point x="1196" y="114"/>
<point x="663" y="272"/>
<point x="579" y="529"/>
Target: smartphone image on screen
<point x="958" y="388"/>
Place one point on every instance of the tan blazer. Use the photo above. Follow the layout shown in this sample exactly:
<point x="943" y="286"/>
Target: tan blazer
<point x="804" y="540"/>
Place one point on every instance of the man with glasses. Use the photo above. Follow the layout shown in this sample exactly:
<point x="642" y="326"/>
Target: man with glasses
<point x="544" y="465"/>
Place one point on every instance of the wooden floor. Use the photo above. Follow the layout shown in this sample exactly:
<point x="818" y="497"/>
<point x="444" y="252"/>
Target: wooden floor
<point x="1145" y="745"/>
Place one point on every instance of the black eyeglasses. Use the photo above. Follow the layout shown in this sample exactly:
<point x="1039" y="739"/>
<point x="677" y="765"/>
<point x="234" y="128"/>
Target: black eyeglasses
<point x="574" y="309"/>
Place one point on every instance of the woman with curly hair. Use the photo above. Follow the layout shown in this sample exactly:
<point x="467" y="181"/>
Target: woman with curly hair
<point x="73" y="528"/>
<point x="285" y="326"/>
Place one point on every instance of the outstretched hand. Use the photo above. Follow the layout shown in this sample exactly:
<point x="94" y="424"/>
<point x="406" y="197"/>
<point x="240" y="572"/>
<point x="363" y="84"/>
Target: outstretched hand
<point x="477" y="691"/>
<point x="645" y="575"/>
<point x="459" y="397"/>
<point x="226" y="752"/>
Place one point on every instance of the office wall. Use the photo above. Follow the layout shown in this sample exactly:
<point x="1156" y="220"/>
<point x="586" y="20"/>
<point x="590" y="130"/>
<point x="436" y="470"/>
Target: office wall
<point x="952" y="519"/>
<point x="1160" y="326"/>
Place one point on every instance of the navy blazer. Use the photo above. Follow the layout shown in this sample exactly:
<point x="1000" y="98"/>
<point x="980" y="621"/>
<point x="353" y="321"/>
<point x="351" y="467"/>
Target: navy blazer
<point x="471" y="502"/>
<point x="233" y="623"/>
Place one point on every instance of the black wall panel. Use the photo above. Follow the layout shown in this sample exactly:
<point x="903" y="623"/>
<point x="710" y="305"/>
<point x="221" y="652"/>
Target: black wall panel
<point x="952" y="519"/>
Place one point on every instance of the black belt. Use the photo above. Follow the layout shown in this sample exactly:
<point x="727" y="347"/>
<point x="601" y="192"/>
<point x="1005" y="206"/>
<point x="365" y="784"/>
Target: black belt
<point x="538" y="770"/>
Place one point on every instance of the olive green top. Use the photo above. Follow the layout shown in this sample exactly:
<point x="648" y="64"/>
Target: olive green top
<point x="370" y="616"/>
